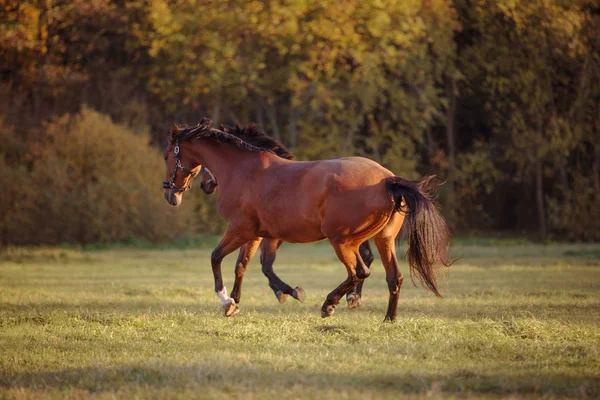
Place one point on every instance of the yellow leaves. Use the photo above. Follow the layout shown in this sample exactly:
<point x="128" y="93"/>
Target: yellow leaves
<point x="228" y="51"/>
<point x="379" y="23"/>
<point x="30" y="16"/>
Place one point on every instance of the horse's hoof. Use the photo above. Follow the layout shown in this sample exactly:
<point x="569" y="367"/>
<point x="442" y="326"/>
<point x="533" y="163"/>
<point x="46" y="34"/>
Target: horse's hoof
<point x="327" y="312"/>
<point x="299" y="294"/>
<point x="389" y="319"/>
<point x="353" y="300"/>
<point x="282" y="297"/>
<point x="230" y="309"/>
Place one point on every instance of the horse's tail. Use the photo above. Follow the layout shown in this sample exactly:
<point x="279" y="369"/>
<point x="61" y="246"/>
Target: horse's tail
<point x="427" y="232"/>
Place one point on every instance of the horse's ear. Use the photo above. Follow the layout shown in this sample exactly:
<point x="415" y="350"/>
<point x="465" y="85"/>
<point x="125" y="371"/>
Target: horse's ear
<point x="240" y="129"/>
<point x="174" y="133"/>
<point x="206" y="122"/>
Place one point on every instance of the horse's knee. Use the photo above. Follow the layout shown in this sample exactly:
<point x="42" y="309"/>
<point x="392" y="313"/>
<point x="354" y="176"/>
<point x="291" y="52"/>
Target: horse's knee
<point x="267" y="267"/>
<point x="242" y="265"/>
<point x="240" y="269"/>
<point x="215" y="257"/>
<point x="355" y="279"/>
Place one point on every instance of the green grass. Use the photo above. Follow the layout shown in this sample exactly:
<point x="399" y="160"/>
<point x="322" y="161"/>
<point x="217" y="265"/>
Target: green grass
<point x="519" y="320"/>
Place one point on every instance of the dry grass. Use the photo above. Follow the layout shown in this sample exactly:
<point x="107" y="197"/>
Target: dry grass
<point x="519" y="320"/>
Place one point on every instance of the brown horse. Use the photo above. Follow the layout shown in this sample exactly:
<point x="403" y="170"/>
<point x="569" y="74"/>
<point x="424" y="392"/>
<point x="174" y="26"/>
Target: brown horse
<point x="269" y="247"/>
<point x="346" y="200"/>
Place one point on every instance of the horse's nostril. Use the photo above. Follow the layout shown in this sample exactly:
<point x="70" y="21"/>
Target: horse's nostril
<point x="169" y="197"/>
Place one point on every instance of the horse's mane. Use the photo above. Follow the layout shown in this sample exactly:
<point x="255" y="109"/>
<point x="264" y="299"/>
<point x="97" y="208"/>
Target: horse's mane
<point x="255" y="136"/>
<point x="249" y="138"/>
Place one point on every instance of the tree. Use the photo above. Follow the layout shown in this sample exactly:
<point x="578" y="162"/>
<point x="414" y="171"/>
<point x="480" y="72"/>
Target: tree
<point x="528" y="52"/>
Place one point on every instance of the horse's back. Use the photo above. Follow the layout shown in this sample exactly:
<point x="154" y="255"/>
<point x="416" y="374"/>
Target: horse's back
<point x="340" y="197"/>
<point x="296" y="200"/>
<point x="351" y="171"/>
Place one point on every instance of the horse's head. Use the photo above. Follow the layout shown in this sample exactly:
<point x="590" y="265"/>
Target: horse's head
<point x="209" y="182"/>
<point x="181" y="169"/>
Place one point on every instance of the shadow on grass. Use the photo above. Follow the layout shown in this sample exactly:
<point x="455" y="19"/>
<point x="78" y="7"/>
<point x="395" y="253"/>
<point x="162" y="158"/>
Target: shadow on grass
<point x="222" y="375"/>
<point x="476" y="310"/>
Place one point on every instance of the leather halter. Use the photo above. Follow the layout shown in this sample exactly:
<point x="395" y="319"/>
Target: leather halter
<point x="171" y="184"/>
<point x="212" y="177"/>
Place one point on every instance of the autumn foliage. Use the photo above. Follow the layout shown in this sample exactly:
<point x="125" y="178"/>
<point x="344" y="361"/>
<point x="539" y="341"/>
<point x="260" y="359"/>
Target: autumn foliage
<point x="82" y="178"/>
<point x="501" y="98"/>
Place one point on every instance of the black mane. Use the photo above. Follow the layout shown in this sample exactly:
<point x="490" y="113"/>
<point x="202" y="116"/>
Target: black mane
<point x="249" y="138"/>
<point x="255" y="136"/>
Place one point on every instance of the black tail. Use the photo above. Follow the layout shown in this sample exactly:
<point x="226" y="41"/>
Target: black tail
<point x="427" y="232"/>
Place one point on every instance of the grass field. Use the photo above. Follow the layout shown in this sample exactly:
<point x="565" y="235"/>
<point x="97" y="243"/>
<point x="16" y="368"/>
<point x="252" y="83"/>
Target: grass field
<point x="519" y="320"/>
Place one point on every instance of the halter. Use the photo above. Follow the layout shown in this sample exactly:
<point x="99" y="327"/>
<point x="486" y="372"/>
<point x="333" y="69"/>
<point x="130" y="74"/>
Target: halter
<point x="171" y="183"/>
<point x="212" y="177"/>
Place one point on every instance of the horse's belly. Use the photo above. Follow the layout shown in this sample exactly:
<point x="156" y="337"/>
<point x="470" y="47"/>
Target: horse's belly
<point x="291" y="231"/>
<point x="303" y="236"/>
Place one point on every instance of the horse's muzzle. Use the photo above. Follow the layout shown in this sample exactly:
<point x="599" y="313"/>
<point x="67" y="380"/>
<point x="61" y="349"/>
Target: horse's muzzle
<point x="172" y="199"/>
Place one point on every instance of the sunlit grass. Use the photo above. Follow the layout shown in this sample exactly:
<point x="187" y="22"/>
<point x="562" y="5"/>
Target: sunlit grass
<point x="518" y="320"/>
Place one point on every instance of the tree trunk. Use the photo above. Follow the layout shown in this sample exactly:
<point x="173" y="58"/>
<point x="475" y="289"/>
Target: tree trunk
<point x="260" y="120"/>
<point x="450" y="116"/>
<point x="564" y="179"/>
<point x="539" y="197"/>
<point x="272" y="115"/>
<point x="347" y="143"/>
<point x="430" y="145"/>
<point x="292" y="119"/>
<point x="596" y="173"/>
<point x="216" y="114"/>
<point x="450" y="138"/>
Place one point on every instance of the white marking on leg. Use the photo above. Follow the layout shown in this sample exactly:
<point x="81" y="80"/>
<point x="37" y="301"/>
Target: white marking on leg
<point x="222" y="295"/>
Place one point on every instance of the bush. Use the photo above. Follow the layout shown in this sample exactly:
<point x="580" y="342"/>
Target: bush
<point x="577" y="213"/>
<point x="84" y="179"/>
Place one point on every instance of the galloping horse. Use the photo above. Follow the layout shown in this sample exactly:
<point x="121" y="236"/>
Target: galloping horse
<point x="268" y="247"/>
<point x="346" y="200"/>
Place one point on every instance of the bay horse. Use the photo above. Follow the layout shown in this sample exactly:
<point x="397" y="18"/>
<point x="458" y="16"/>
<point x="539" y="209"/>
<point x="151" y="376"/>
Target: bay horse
<point x="268" y="247"/>
<point x="346" y="200"/>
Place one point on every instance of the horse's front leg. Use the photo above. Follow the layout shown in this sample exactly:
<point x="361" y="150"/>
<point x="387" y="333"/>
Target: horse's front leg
<point x="246" y="253"/>
<point x="230" y="241"/>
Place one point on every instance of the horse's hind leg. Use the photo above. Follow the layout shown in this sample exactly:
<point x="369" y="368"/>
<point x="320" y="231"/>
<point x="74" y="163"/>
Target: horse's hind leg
<point x="354" y="295"/>
<point x="281" y="289"/>
<point x="357" y="271"/>
<point x="387" y="250"/>
<point x="246" y="253"/>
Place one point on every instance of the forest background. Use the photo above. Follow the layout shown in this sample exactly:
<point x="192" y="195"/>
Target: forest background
<point x="499" y="98"/>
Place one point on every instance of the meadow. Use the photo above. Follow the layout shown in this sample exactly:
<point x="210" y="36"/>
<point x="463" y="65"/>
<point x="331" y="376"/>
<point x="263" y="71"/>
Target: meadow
<point x="518" y="320"/>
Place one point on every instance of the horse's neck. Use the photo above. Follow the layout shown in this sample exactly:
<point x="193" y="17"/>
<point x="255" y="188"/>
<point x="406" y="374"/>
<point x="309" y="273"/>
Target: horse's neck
<point x="225" y="161"/>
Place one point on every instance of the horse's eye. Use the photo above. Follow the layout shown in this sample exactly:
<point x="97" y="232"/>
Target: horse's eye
<point x="165" y="157"/>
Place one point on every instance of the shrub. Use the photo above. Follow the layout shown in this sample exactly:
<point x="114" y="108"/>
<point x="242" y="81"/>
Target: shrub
<point x="86" y="179"/>
<point x="577" y="213"/>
